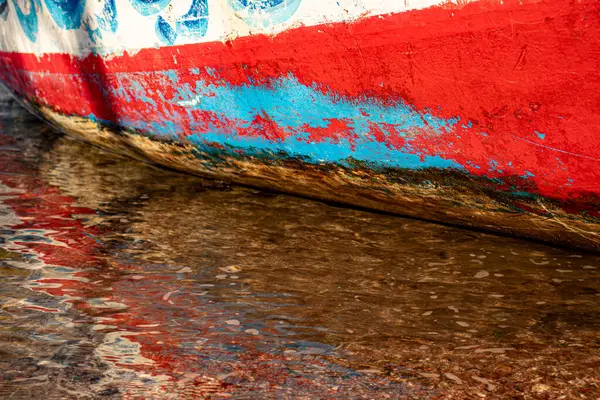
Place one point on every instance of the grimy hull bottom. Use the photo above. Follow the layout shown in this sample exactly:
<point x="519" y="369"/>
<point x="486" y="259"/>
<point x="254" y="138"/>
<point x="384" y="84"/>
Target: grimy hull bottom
<point x="432" y="194"/>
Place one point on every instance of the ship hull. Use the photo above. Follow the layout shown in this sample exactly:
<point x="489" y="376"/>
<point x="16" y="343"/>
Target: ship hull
<point x="483" y="114"/>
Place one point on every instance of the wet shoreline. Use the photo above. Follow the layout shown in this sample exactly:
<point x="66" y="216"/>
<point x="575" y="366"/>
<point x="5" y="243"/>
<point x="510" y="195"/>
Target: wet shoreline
<point x="122" y="280"/>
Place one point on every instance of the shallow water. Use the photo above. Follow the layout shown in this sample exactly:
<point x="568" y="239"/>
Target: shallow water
<point x="121" y="280"/>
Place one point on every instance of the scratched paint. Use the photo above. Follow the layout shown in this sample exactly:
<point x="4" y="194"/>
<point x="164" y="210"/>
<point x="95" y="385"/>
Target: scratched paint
<point x="420" y="96"/>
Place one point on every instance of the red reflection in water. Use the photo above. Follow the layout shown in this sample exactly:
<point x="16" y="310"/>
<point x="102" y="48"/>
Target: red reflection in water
<point x="158" y="325"/>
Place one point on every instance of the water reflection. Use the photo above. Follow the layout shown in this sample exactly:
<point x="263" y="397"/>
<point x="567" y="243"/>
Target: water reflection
<point x="144" y="283"/>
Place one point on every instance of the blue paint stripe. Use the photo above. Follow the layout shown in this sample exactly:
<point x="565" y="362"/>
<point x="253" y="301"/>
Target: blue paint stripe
<point x="292" y="105"/>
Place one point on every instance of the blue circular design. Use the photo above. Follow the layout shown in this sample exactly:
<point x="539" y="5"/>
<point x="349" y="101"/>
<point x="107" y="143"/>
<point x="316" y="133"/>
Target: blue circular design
<point x="66" y="13"/>
<point x="149" y="7"/>
<point x="264" y="13"/>
<point x="3" y="9"/>
<point x="193" y="24"/>
<point x="29" y="21"/>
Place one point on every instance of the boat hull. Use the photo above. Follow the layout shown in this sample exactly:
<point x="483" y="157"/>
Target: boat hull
<point x="482" y="115"/>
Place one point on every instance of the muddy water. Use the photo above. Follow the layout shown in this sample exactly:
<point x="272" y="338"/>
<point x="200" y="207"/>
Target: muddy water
<point x="121" y="280"/>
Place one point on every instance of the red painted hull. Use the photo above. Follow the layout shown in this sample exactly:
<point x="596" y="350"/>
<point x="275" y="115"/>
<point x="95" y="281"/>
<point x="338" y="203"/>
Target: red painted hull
<point x="521" y="78"/>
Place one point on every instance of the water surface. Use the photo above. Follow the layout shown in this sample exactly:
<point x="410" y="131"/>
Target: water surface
<point x="122" y="280"/>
